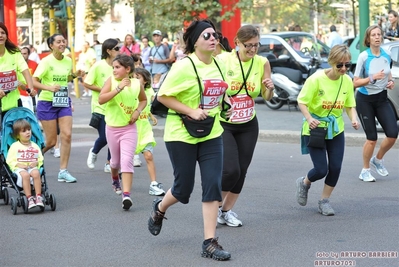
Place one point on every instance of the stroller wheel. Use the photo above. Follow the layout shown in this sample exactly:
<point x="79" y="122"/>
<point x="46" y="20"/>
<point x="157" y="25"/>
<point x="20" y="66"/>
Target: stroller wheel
<point x="53" y="203"/>
<point x="24" y="204"/>
<point x="6" y="195"/>
<point x="13" y="205"/>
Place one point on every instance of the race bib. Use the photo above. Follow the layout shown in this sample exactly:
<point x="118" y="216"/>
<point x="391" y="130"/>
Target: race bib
<point x="243" y="108"/>
<point x="213" y="91"/>
<point x="60" y="98"/>
<point x="8" y="80"/>
<point x="29" y="155"/>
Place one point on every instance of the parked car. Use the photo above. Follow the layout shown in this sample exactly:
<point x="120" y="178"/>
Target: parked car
<point x="293" y="56"/>
<point x="354" y="47"/>
<point x="393" y="95"/>
<point x="299" y="46"/>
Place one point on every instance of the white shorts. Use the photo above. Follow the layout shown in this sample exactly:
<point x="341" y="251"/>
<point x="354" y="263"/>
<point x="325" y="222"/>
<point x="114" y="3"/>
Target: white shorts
<point x="19" y="177"/>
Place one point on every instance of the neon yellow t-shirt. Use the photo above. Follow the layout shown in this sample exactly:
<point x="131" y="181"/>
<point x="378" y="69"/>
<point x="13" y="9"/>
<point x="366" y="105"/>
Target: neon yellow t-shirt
<point x="97" y="76"/>
<point x="319" y="93"/>
<point x="145" y="134"/>
<point x="235" y="79"/>
<point x="10" y="66"/>
<point x="181" y="82"/>
<point x="120" y="108"/>
<point x="90" y="57"/>
<point x="52" y="71"/>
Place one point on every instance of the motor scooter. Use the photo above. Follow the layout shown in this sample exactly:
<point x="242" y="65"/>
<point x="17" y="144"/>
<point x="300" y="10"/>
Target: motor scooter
<point x="288" y="83"/>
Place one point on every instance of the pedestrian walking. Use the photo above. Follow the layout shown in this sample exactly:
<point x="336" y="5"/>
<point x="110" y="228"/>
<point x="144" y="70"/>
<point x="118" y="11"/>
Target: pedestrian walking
<point x="54" y="105"/>
<point x="94" y="81"/>
<point x="146" y="141"/>
<point x="373" y="78"/>
<point x="322" y="100"/>
<point x="12" y="64"/>
<point x="248" y="75"/>
<point x="125" y="98"/>
<point x="184" y="93"/>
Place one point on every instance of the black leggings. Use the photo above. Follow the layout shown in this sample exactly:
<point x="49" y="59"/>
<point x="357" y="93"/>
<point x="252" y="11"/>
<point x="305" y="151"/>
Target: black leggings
<point x="330" y="169"/>
<point x="239" y="141"/>
<point x="377" y="106"/>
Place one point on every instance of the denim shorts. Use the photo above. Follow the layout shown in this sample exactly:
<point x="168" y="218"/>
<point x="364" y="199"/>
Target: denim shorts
<point x="46" y="112"/>
<point x="149" y="148"/>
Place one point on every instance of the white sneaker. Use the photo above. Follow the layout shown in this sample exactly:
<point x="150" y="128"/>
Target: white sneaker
<point x="229" y="218"/>
<point x="136" y="161"/>
<point x="156" y="189"/>
<point x="52" y="150"/>
<point x="89" y="94"/>
<point x="91" y="159"/>
<point x="366" y="176"/>
<point x="84" y="94"/>
<point x="107" y="168"/>
<point x="379" y="166"/>
<point x="57" y="153"/>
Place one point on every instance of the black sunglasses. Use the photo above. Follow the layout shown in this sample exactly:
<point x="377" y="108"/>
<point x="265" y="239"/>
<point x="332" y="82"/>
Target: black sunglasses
<point x="207" y="35"/>
<point x="340" y="65"/>
<point x="116" y="48"/>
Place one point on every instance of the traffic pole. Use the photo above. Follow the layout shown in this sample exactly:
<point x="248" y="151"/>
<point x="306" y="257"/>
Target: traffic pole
<point x="364" y="21"/>
<point x="52" y="20"/>
<point x="71" y="42"/>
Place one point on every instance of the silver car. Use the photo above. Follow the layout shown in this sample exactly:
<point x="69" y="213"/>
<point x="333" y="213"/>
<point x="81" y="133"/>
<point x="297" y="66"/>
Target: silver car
<point x="393" y="95"/>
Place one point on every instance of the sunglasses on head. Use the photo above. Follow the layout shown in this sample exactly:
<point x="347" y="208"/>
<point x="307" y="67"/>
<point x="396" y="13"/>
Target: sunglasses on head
<point x="208" y="35"/>
<point x="340" y="65"/>
<point x="116" y="48"/>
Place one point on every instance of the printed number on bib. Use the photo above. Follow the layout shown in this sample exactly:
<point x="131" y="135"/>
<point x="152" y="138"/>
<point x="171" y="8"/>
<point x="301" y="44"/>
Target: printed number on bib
<point x="8" y="80"/>
<point x="243" y="108"/>
<point x="60" y="98"/>
<point x="213" y="91"/>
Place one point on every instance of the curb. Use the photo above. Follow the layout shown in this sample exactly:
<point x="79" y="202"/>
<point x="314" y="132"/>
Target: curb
<point x="275" y="136"/>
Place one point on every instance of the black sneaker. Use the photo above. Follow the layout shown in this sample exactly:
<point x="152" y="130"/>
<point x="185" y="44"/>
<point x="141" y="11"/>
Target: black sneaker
<point x="215" y="251"/>
<point x="156" y="218"/>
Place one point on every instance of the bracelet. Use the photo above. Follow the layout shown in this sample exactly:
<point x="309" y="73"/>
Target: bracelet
<point x="371" y="80"/>
<point x="392" y="80"/>
<point x="118" y="89"/>
<point x="138" y="111"/>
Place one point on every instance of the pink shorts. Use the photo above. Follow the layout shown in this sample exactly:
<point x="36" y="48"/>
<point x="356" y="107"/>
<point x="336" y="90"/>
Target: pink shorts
<point x="122" y="142"/>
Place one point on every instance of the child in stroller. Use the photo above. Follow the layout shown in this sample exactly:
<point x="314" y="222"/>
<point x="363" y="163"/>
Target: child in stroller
<point x="25" y="159"/>
<point x="9" y="176"/>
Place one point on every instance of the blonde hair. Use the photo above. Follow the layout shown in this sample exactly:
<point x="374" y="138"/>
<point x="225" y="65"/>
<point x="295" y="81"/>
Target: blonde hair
<point x="337" y="53"/>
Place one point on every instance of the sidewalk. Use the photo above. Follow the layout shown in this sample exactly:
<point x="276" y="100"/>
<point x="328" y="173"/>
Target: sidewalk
<point x="275" y="126"/>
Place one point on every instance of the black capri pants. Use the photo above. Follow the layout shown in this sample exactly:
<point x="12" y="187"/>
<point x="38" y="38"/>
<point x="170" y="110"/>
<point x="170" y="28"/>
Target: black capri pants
<point x="377" y="106"/>
<point x="239" y="141"/>
<point x="184" y="157"/>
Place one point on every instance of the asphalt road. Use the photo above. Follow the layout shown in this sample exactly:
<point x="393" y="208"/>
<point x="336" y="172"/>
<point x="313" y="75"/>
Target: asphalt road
<point x="89" y="227"/>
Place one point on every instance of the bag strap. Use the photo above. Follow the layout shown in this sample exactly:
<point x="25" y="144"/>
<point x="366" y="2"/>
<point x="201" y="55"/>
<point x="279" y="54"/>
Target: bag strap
<point x="199" y="80"/>
<point x="243" y="76"/>
<point x="336" y="97"/>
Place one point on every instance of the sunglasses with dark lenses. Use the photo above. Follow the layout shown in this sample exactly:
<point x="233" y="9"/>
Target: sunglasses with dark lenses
<point x="116" y="48"/>
<point x="340" y="65"/>
<point x="207" y="35"/>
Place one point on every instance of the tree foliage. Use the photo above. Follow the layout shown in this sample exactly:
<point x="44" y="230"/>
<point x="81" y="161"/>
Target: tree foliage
<point x="95" y="11"/>
<point x="170" y="15"/>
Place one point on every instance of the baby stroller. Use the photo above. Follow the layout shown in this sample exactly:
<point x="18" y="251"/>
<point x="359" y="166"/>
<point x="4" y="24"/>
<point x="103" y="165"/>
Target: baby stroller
<point x="8" y="178"/>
